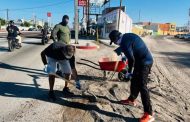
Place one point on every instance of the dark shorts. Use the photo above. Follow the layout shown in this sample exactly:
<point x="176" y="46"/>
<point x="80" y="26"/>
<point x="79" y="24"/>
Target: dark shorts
<point x="72" y="62"/>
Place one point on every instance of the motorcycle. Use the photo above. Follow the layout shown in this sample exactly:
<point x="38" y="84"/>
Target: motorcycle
<point x="13" y="43"/>
<point x="45" y="39"/>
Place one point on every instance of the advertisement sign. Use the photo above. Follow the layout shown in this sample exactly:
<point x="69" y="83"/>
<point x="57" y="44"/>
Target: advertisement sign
<point x="49" y="14"/>
<point x="82" y="2"/>
<point x="97" y="2"/>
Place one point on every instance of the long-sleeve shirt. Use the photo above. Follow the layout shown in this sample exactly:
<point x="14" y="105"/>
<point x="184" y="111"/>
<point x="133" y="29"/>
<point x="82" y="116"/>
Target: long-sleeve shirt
<point x="135" y="50"/>
<point x="55" y="51"/>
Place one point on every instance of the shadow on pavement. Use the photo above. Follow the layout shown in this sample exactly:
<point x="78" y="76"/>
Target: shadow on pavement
<point x="91" y="78"/>
<point x="21" y="69"/>
<point x="34" y="43"/>
<point x="22" y="90"/>
<point x="4" y="49"/>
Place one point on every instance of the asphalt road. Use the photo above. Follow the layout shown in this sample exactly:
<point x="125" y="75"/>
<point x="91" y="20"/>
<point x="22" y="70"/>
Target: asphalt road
<point x="26" y="34"/>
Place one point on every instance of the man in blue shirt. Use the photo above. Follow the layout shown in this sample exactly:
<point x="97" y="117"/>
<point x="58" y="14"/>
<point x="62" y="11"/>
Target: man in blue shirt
<point x="140" y="62"/>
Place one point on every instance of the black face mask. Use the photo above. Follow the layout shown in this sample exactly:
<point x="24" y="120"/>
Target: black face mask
<point x="65" y="22"/>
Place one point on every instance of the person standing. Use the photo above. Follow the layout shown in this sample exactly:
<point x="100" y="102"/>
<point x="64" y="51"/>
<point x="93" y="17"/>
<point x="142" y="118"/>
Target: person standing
<point x="61" y="33"/>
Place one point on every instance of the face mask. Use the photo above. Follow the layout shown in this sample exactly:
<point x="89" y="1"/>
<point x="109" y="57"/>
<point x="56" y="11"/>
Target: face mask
<point x="117" y="42"/>
<point x="68" y="57"/>
<point x="65" y="21"/>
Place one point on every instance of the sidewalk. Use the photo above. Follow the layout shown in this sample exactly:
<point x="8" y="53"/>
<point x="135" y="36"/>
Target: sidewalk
<point x="84" y="42"/>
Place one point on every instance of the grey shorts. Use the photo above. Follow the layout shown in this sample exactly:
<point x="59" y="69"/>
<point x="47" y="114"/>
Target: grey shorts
<point x="64" y="66"/>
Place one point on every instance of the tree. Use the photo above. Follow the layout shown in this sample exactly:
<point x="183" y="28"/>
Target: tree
<point x="26" y="24"/>
<point x="39" y="27"/>
<point x="3" y="22"/>
<point x="22" y="24"/>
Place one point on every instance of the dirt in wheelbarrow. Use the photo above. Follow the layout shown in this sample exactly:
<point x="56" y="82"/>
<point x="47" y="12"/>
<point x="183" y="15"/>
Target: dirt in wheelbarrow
<point x="170" y="98"/>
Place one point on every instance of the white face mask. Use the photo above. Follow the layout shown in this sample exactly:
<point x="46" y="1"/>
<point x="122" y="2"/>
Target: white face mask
<point x="118" y="42"/>
<point x="68" y="57"/>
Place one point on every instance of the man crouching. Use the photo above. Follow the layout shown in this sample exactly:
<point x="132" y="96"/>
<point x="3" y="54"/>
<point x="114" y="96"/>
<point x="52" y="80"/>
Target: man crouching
<point x="58" y="53"/>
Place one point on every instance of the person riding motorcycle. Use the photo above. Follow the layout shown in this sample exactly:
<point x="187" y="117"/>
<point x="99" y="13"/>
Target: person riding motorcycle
<point x="14" y="32"/>
<point x="45" y="32"/>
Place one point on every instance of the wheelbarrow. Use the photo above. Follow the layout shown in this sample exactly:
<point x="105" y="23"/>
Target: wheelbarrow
<point x="106" y="65"/>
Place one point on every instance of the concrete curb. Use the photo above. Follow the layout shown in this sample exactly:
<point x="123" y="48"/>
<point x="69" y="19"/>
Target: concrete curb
<point x="106" y="44"/>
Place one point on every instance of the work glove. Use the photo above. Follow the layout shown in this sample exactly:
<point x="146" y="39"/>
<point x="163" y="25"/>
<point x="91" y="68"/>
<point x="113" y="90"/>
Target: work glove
<point x="45" y="68"/>
<point x="128" y="76"/>
<point x="78" y="85"/>
<point x="124" y="59"/>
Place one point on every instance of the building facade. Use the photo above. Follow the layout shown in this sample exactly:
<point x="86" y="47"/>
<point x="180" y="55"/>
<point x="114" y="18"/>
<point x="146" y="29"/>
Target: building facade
<point x="109" y="22"/>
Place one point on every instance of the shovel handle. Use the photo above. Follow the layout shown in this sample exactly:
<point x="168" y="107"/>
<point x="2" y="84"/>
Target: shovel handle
<point x="63" y="79"/>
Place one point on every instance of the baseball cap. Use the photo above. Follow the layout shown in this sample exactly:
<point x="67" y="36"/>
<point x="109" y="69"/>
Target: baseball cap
<point x="113" y="36"/>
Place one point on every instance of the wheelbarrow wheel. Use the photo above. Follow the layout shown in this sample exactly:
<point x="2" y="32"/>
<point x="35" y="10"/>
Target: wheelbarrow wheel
<point x="121" y="76"/>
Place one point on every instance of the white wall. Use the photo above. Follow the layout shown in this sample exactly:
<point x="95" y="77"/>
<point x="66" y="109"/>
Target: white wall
<point x="125" y="23"/>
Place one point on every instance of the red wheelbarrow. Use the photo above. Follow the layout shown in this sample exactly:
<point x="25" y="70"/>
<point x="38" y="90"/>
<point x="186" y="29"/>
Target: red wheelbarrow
<point x="114" y="66"/>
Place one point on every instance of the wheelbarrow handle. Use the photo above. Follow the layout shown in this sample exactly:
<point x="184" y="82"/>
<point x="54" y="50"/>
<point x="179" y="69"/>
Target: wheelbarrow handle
<point x="115" y="69"/>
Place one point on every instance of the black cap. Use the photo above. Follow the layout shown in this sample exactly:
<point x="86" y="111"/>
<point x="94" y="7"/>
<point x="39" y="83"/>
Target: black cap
<point x="113" y="36"/>
<point x="11" y="22"/>
<point x="68" y="51"/>
<point x="65" y="17"/>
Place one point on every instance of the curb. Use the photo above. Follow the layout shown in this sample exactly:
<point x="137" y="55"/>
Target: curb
<point x="106" y="44"/>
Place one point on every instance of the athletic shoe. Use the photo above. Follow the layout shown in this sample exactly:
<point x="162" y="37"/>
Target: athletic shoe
<point x="51" y="96"/>
<point x="129" y="102"/>
<point x="67" y="91"/>
<point x="147" y="118"/>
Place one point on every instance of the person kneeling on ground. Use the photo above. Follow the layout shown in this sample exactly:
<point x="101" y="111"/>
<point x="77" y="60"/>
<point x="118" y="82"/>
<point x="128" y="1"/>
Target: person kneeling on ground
<point x="58" y="53"/>
<point x="139" y="58"/>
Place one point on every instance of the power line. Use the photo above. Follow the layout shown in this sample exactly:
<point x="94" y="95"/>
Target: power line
<point x="38" y="7"/>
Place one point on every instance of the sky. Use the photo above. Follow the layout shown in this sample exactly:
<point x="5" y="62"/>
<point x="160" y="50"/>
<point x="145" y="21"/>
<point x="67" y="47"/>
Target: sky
<point x="162" y="11"/>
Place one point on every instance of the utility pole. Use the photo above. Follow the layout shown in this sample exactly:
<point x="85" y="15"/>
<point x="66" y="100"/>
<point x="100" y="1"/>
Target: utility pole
<point x="35" y="21"/>
<point x="88" y="17"/>
<point x="0" y="24"/>
<point x="139" y="16"/>
<point x="76" y="21"/>
<point x="97" y="34"/>
<point x="42" y="22"/>
<point x="189" y="21"/>
<point x="119" y="14"/>
<point x="7" y="15"/>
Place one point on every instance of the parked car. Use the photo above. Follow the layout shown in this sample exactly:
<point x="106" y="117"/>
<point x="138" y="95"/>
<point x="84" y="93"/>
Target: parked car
<point x="182" y="36"/>
<point x="32" y="29"/>
<point x="177" y="35"/>
<point x="187" y="36"/>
